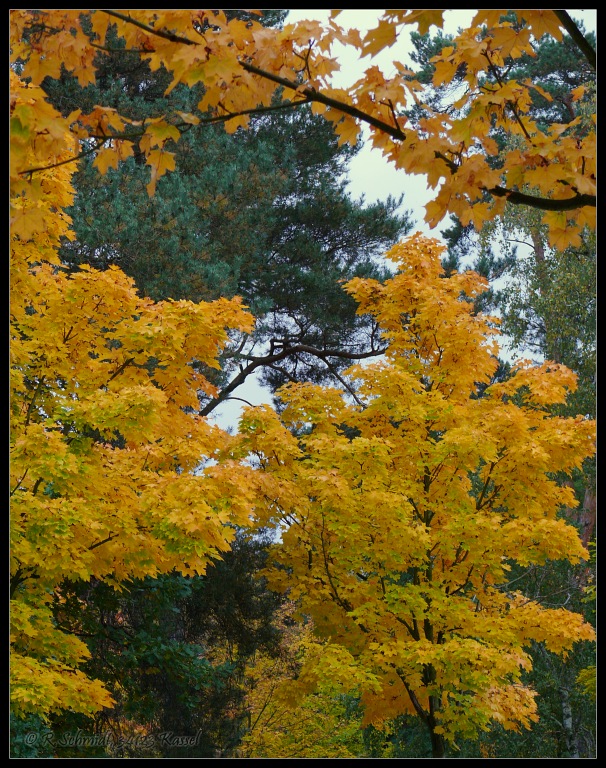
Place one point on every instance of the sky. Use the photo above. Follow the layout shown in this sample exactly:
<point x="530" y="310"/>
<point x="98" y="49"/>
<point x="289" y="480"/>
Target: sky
<point x="370" y="175"/>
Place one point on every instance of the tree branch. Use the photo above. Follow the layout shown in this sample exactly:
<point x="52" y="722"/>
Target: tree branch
<point x="312" y="95"/>
<point x="151" y="30"/>
<point x="101" y="141"/>
<point x="275" y="357"/>
<point x="30" y="407"/>
<point x="544" y="203"/>
<point x="578" y="37"/>
<point x="517" y="198"/>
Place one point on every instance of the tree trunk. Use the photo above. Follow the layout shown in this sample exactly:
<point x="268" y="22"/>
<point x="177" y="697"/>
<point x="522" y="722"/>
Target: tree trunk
<point x="571" y="744"/>
<point x="587" y="515"/>
<point x="438" y="745"/>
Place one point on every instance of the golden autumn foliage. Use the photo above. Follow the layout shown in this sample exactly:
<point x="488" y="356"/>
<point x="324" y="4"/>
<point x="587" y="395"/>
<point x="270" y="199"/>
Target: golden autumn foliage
<point x="403" y="513"/>
<point x="243" y="64"/>
<point x="113" y="474"/>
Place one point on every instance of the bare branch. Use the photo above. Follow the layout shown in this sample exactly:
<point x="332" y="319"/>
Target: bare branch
<point x="275" y="357"/>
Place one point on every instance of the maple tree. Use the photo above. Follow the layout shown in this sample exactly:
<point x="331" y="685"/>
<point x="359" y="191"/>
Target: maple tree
<point x="404" y="511"/>
<point x="111" y="466"/>
<point x="548" y="305"/>
<point x="250" y="214"/>
<point x="242" y="66"/>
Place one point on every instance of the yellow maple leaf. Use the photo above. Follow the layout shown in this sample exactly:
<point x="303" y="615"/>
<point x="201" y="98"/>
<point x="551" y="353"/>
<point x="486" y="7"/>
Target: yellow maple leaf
<point x="348" y="131"/>
<point x="160" y="162"/>
<point x="587" y="216"/>
<point x="38" y="67"/>
<point x="542" y="22"/>
<point x="188" y="118"/>
<point x="110" y="157"/>
<point x="511" y="42"/>
<point x="382" y="36"/>
<point x="578" y="93"/>
<point x="425" y="19"/>
<point x="562" y="233"/>
<point x="241" y="121"/>
<point x="100" y="23"/>
<point x="435" y="210"/>
<point x="490" y="18"/>
<point x="106" y="158"/>
<point x="158" y="133"/>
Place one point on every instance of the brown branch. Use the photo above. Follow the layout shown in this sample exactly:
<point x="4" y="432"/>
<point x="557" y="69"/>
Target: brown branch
<point x="417" y="512"/>
<point x="31" y="402"/>
<point x="415" y="702"/>
<point x="21" y="479"/>
<point x="510" y="104"/>
<point x="104" y="541"/>
<point x="312" y="95"/>
<point x="480" y="499"/>
<point x="463" y="585"/>
<point x="135" y="135"/>
<point x="101" y="142"/>
<point x="345" y="604"/>
<point x="120" y="368"/>
<point x="159" y="33"/>
<point x="544" y="203"/>
<point x="414" y="632"/>
<point x="343" y="383"/>
<point x="517" y="198"/>
<point x="19" y="577"/>
<point x="578" y="38"/>
<point x="271" y="358"/>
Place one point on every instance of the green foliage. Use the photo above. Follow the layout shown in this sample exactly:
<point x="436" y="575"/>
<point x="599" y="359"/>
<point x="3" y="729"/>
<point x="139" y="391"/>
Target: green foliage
<point x="172" y="651"/>
<point x="558" y="69"/>
<point x="550" y="307"/>
<point x="30" y="738"/>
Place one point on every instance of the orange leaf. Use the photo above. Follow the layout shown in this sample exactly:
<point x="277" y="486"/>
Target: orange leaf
<point x="542" y="22"/>
<point x="160" y="162"/>
<point x="382" y="36"/>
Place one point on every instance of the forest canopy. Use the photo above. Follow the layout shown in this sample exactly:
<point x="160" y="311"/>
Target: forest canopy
<point x="403" y="540"/>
